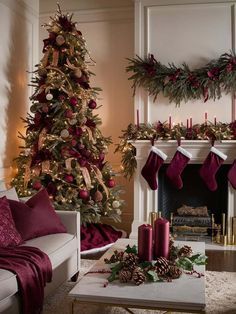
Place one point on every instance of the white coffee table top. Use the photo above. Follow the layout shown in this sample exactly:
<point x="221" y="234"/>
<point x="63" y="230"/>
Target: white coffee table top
<point x="186" y="293"/>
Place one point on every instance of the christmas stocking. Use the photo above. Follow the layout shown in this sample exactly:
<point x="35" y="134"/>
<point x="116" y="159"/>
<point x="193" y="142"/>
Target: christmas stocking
<point x="210" y="167"/>
<point x="155" y="160"/>
<point x="232" y="174"/>
<point x="177" y="165"/>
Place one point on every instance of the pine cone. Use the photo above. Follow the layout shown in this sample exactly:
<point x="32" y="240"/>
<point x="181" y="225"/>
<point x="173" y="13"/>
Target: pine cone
<point x="138" y="276"/>
<point x="162" y="266"/>
<point x="171" y="242"/>
<point x="116" y="257"/>
<point x="174" y="272"/>
<point x="125" y="275"/>
<point x="185" y="251"/>
<point x="130" y="261"/>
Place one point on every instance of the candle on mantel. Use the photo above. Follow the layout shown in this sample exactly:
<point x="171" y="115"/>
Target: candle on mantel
<point x="191" y="122"/>
<point x="170" y="122"/>
<point x="137" y="118"/>
<point x="187" y="124"/>
<point x="145" y="243"/>
<point x="161" y="238"/>
<point x="206" y="117"/>
<point x="215" y="120"/>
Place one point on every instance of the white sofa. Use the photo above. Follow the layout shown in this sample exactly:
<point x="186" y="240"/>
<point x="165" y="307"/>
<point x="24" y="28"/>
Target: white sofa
<point x="63" y="250"/>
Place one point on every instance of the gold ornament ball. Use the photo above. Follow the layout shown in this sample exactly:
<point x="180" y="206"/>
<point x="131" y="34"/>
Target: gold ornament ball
<point x="65" y="133"/>
<point x="60" y="40"/>
<point x="72" y="121"/>
<point x="78" y="73"/>
<point x="55" y="29"/>
<point x="115" y="204"/>
<point x="49" y="96"/>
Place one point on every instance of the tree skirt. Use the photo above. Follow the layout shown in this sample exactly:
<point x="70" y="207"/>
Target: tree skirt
<point x="220" y="296"/>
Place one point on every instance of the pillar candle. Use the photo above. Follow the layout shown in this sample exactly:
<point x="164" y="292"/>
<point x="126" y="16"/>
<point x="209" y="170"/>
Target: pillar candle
<point x="161" y="238"/>
<point x="191" y="122"/>
<point x="170" y="123"/>
<point x="137" y="118"/>
<point x="145" y="242"/>
<point x="187" y="123"/>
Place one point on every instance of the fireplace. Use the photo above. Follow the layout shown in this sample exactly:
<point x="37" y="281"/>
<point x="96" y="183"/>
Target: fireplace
<point x="194" y="193"/>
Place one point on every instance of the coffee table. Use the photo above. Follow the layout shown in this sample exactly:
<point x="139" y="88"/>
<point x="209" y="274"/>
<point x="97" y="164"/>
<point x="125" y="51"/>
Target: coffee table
<point x="186" y="294"/>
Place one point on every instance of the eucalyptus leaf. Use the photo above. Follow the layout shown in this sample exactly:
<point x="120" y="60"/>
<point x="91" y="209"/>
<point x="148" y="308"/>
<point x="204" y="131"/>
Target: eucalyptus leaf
<point x="152" y="276"/>
<point x="185" y="263"/>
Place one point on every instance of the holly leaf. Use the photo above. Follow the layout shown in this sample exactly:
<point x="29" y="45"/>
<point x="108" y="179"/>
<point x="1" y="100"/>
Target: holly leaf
<point x="132" y="249"/>
<point x="185" y="263"/>
<point x="152" y="276"/>
<point x="145" y="264"/>
<point x="114" y="271"/>
<point x="198" y="259"/>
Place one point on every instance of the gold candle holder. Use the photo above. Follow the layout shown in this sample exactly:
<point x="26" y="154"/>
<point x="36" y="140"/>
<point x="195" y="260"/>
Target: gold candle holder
<point x="223" y="224"/>
<point x="153" y="217"/>
<point x="224" y="240"/>
<point x="212" y="227"/>
<point x="234" y="226"/>
<point x="171" y="219"/>
<point x="159" y="214"/>
<point x="233" y="239"/>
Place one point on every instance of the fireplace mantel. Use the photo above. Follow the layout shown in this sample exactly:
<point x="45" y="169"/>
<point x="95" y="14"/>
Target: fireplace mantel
<point x="146" y="200"/>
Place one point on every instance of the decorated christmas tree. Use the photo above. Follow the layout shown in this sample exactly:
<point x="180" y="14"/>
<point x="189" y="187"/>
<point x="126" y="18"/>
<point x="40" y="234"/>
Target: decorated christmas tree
<point x="64" y="149"/>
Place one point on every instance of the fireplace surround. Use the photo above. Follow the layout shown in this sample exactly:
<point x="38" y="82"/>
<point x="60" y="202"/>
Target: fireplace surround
<point x="147" y="200"/>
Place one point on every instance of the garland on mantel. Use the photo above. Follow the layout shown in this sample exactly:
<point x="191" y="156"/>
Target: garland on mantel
<point x="162" y="131"/>
<point x="181" y="83"/>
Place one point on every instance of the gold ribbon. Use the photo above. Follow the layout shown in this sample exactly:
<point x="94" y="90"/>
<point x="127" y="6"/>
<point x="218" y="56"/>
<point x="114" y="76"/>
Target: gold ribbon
<point x="44" y="60"/>
<point x="36" y="171"/>
<point x="99" y="177"/>
<point x="27" y="172"/>
<point x="68" y="163"/>
<point x="90" y="133"/>
<point x="42" y="138"/>
<point x="86" y="176"/>
<point x="55" y="58"/>
<point x="45" y="166"/>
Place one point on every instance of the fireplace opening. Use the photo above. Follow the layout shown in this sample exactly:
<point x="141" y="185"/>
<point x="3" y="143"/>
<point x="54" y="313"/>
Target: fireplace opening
<point x="193" y="194"/>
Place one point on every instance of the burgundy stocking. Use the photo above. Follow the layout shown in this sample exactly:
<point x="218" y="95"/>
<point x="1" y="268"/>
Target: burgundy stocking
<point x="155" y="160"/>
<point x="210" y="167"/>
<point x="176" y="167"/>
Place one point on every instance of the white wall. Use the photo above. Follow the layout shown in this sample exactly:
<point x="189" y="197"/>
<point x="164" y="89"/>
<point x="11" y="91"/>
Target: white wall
<point x="108" y="27"/>
<point x="18" y="54"/>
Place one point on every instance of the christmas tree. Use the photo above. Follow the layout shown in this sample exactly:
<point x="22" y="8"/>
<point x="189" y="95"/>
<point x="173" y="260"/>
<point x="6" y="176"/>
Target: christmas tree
<point x="64" y="149"/>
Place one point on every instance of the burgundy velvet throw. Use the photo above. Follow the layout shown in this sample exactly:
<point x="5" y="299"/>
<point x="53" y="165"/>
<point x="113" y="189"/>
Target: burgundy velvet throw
<point x="33" y="269"/>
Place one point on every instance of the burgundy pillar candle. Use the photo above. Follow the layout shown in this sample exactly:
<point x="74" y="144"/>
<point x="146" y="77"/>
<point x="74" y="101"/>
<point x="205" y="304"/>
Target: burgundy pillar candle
<point x="145" y="242"/>
<point x="161" y="238"/>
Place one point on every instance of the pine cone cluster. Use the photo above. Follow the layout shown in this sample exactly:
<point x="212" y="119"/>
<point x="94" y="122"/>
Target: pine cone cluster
<point x="116" y="257"/>
<point x="185" y="251"/>
<point x="125" y="275"/>
<point x="162" y="266"/>
<point x="130" y="261"/>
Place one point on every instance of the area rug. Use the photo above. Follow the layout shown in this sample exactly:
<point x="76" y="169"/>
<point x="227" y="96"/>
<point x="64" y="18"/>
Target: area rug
<point x="220" y="296"/>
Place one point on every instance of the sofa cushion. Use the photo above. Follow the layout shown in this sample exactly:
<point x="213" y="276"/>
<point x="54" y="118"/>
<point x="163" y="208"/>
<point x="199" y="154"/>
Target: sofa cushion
<point x="8" y="284"/>
<point x="58" y="247"/>
<point x="36" y="217"/>
<point x="9" y="236"/>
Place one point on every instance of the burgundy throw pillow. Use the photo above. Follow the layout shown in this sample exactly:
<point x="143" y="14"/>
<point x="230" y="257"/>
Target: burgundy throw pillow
<point x="36" y="217"/>
<point x="9" y="236"/>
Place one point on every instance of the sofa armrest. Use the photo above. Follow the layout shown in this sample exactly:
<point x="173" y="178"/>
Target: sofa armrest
<point x="71" y="220"/>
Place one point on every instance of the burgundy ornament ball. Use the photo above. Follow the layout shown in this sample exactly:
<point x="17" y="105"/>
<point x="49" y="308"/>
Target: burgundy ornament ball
<point x="92" y="104"/>
<point x="45" y="108"/>
<point x="37" y="185"/>
<point x="83" y="194"/>
<point x="73" y="142"/>
<point x="69" y="178"/>
<point x="111" y="183"/>
<point x="69" y="113"/>
<point x="73" y="101"/>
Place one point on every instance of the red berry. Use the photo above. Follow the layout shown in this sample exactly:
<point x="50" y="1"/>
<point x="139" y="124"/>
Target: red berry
<point x="111" y="183"/>
<point x="73" y="101"/>
<point x="92" y="104"/>
<point x="37" y="185"/>
<point x="73" y="142"/>
<point x="83" y="194"/>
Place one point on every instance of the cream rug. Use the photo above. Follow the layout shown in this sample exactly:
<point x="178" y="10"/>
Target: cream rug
<point x="220" y="296"/>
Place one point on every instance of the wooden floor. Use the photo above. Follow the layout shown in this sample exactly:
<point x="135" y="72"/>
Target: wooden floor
<point x="217" y="260"/>
<point x="221" y="260"/>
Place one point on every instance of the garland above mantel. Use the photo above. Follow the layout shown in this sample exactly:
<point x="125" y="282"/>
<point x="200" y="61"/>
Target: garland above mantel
<point x="182" y="84"/>
<point x="162" y="131"/>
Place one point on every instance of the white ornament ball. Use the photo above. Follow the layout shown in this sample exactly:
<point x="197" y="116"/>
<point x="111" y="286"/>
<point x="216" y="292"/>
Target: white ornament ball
<point x="78" y="73"/>
<point x="60" y="40"/>
<point x="49" y="96"/>
<point x="65" y="133"/>
<point x="115" y="204"/>
<point x="72" y="121"/>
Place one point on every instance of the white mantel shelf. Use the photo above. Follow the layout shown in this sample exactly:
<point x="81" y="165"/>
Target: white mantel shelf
<point x="198" y="148"/>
